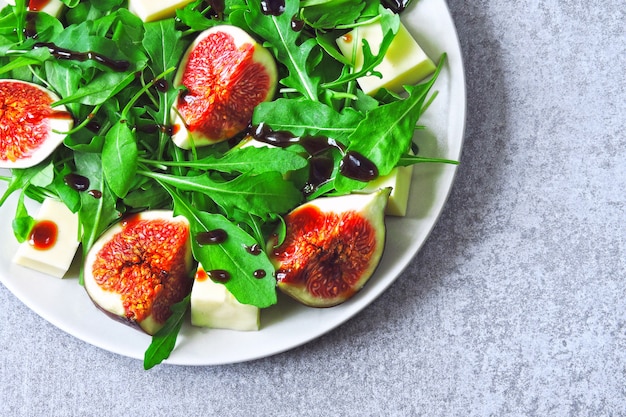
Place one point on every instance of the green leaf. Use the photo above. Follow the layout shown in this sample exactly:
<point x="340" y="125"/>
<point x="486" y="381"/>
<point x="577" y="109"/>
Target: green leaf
<point x="100" y="89"/>
<point x="248" y="160"/>
<point x="119" y="158"/>
<point x="329" y="14"/>
<point x="304" y="118"/>
<point x="261" y="195"/>
<point x="164" y="341"/>
<point x="21" y="178"/>
<point x="163" y="44"/>
<point x="22" y="222"/>
<point x="95" y="214"/>
<point x="277" y="32"/>
<point x="231" y="256"/>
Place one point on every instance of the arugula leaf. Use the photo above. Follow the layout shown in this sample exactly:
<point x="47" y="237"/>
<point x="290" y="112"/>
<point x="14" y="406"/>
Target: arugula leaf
<point x="20" y="179"/>
<point x="231" y="256"/>
<point x="164" y="341"/>
<point x="95" y="214"/>
<point x="248" y="160"/>
<point x="119" y="158"/>
<point x="164" y="45"/>
<point x="277" y="32"/>
<point x="328" y="14"/>
<point x="102" y="88"/>
<point x="22" y="222"/>
<point x="261" y="194"/>
<point x="304" y="117"/>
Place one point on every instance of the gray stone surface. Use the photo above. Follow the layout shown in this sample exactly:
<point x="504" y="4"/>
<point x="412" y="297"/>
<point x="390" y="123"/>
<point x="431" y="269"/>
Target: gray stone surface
<point x="514" y="307"/>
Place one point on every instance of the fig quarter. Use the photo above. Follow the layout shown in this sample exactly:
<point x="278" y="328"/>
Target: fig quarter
<point x="331" y="248"/>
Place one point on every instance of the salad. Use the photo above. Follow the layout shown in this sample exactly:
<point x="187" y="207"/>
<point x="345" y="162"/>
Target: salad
<point x="121" y="141"/>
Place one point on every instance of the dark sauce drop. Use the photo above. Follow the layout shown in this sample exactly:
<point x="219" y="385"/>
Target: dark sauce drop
<point x="217" y="9"/>
<point x="30" y="30"/>
<point x="254" y="249"/>
<point x="68" y="54"/>
<point x="318" y="144"/>
<point x="260" y="273"/>
<point x="272" y="7"/>
<point x="97" y="194"/>
<point x="212" y="237"/>
<point x="44" y="235"/>
<point x="77" y="182"/>
<point x="396" y="6"/>
<point x="161" y="85"/>
<point x="94" y="126"/>
<point x="356" y="166"/>
<point x="297" y="24"/>
<point x="320" y="170"/>
<point x="219" y="275"/>
<point x="282" y="138"/>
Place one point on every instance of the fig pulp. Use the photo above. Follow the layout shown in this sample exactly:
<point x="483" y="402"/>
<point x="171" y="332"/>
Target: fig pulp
<point x="331" y="248"/>
<point x="30" y="128"/>
<point x="140" y="267"/>
<point x="223" y="75"/>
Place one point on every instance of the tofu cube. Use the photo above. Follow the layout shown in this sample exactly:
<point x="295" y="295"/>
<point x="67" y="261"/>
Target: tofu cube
<point x="151" y="10"/>
<point x="405" y="63"/>
<point x="213" y="306"/>
<point x="55" y="259"/>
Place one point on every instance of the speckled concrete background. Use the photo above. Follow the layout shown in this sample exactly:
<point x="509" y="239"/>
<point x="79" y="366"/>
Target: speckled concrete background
<point x="515" y="307"/>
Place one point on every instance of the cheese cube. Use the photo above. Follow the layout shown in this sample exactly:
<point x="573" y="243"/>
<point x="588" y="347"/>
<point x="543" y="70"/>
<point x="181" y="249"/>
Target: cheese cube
<point x="212" y="305"/>
<point x="399" y="179"/>
<point x="57" y="255"/>
<point x="151" y="10"/>
<point x="405" y="63"/>
<point x="52" y="7"/>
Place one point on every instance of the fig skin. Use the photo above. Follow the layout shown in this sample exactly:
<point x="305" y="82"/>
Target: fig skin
<point x="331" y="249"/>
<point x="36" y="120"/>
<point x="165" y="284"/>
<point x="219" y="95"/>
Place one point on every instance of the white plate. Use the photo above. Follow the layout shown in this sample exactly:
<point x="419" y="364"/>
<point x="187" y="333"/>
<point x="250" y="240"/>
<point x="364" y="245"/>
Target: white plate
<point x="65" y="304"/>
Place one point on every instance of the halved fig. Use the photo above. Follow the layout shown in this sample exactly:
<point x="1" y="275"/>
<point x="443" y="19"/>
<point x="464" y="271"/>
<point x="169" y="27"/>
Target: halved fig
<point x="331" y="248"/>
<point x="140" y="267"/>
<point x="30" y="128"/>
<point x="224" y="75"/>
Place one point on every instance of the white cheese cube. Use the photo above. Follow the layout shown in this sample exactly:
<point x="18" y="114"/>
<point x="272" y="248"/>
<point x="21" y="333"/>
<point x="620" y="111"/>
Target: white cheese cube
<point x="405" y="63"/>
<point x="57" y="255"/>
<point x="52" y="7"/>
<point x="212" y="305"/>
<point x="399" y="179"/>
<point x="151" y="10"/>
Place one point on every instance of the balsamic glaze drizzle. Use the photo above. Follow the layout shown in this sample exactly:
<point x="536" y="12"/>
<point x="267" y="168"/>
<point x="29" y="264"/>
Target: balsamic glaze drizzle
<point x="353" y="164"/>
<point x="68" y="54"/>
